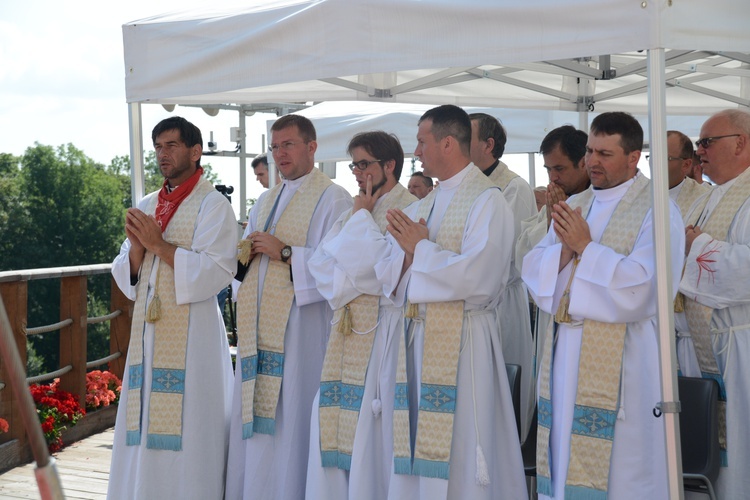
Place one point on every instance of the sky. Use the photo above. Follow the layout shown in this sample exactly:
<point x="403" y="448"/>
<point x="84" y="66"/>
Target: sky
<point x="62" y="80"/>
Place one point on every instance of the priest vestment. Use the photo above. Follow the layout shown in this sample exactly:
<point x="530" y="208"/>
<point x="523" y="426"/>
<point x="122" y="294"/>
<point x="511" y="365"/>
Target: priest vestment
<point x="275" y="465"/>
<point x="343" y="267"/>
<point x="716" y="275"/>
<point x="611" y="288"/>
<point x="477" y="275"/>
<point x="200" y="272"/>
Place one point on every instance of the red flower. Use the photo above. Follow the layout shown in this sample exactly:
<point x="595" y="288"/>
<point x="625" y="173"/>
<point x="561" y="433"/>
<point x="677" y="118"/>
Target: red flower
<point x="4" y="427"/>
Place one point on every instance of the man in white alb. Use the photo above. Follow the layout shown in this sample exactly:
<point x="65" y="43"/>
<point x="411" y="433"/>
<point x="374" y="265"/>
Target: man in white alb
<point x="599" y="378"/>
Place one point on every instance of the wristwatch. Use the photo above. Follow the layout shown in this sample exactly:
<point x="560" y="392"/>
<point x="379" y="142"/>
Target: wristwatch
<point x="286" y="253"/>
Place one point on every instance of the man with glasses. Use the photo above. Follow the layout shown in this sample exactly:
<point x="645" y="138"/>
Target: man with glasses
<point x="682" y="189"/>
<point x="716" y="292"/>
<point x="282" y="321"/>
<point x="351" y="438"/>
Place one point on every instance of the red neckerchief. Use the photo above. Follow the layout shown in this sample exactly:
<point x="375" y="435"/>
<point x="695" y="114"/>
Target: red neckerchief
<point x="169" y="202"/>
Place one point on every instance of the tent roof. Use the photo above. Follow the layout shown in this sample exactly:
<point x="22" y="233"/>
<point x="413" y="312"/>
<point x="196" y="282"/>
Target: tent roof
<point x="494" y="53"/>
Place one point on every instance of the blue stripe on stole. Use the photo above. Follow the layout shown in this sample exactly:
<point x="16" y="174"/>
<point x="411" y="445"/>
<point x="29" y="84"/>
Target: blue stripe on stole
<point x="719" y="380"/>
<point x="402" y="465"/>
<point x="544" y="413"/>
<point x="437" y="398"/>
<point x="330" y="393"/>
<point x="164" y="442"/>
<point x="249" y="367"/>
<point x="247" y="430"/>
<point x="329" y="458"/>
<point x="132" y="438"/>
<point x="168" y="380"/>
<point x="270" y="363"/>
<point x="594" y="422"/>
<point x="351" y="397"/>
<point x="724" y="458"/>
<point x="345" y="461"/>
<point x="263" y="425"/>
<point x="431" y="468"/>
<point x="401" y="401"/>
<point x="135" y="376"/>
<point x="544" y="485"/>
<point x="581" y="493"/>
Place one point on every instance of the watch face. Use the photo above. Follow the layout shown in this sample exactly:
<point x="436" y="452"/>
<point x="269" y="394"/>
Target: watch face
<point x="286" y="252"/>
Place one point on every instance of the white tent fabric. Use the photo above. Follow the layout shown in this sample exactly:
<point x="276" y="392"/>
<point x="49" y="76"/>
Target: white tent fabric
<point x="337" y="122"/>
<point x="643" y="56"/>
<point x="469" y="53"/>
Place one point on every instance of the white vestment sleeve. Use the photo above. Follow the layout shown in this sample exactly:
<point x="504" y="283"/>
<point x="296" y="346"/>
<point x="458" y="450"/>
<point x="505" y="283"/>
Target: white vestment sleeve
<point x="717" y="272"/>
<point x="479" y="273"/>
<point x="210" y="264"/>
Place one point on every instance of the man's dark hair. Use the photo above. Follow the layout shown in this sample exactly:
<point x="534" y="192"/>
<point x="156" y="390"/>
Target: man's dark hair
<point x="258" y="160"/>
<point x="381" y="145"/>
<point x="619" y="122"/>
<point x="449" y="120"/>
<point x="303" y="124"/>
<point x="427" y="180"/>
<point x="490" y="127"/>
<point x="190" y="135"/>
<point x="686" y="145"/>
<point x="570" y="140"/>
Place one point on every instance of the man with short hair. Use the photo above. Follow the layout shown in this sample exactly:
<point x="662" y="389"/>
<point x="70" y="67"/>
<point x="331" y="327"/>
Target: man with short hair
<point x="260" y="168"/>
<point x="282" y="321"/>
<point x="171" y="430"/>
<point x="420" y="185"/>
<point x="488" y="140"/>
<point x="714" y="286"/>
<point x="351" y="438"/>
<point x="682" y="189"/>
<point x="563" y="150"/>
<point x="599" y="380"/>
<point x="455" y="434"/>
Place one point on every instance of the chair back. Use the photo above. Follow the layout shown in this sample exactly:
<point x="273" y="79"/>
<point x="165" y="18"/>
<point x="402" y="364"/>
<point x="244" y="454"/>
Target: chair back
<point x="699" y="426"/>
<point x="514" y="379"/>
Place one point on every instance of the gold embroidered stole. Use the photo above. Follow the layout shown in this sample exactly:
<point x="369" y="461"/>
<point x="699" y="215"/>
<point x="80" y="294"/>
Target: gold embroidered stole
<point x="261" y="331"/>
<point x="442" y="340"/>
<point x="347" y="357"/>
<point x="689" y="192"/>
<point x="170" y="337"/>
<point x="699" y="316"/>
<point x="600" y="368"/>
<point x="502" y="175"/>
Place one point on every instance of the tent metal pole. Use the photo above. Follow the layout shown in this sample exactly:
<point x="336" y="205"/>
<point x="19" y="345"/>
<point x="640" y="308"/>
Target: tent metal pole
<point x="662" y="244"/>
<point x="137" y="182"/>
<point x="532" y="171"/>
<point x="243" y="165"/>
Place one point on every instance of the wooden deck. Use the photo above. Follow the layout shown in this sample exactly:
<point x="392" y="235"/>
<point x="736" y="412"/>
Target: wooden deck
<point x="83" y="468"/>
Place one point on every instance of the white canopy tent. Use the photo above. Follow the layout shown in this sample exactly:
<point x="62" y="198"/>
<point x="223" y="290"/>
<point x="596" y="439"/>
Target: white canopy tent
<point x="643" y="56"/>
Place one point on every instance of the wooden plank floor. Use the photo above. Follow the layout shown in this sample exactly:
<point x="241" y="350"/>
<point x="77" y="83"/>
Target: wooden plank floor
<point x="83" y="468"/>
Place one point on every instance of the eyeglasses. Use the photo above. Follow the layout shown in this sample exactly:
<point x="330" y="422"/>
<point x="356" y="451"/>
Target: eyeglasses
<point x="284" y="146"/>
<point x="706" y="141"/>
<point x="362" y="165"/>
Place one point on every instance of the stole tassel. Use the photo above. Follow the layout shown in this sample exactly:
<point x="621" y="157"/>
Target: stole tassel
<point x="153" y="313"/>
<point x="345" y="323"/>
<point x="412" y="310"/>
<point x="246" y="248"/>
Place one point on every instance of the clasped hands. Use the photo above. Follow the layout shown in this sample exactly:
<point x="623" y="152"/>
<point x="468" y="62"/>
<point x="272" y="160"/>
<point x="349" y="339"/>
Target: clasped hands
<point x="572" y="230"/>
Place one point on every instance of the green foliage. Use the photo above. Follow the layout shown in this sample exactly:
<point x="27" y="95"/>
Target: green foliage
<point x="60" y="208"/>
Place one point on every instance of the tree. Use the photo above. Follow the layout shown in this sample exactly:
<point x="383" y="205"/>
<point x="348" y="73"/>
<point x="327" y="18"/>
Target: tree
<point x="67" y="210"/>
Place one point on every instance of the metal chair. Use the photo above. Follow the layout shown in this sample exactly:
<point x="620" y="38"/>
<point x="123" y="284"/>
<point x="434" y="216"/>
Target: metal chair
<point x="514" y="379"/>
<point x="699" y="433"/>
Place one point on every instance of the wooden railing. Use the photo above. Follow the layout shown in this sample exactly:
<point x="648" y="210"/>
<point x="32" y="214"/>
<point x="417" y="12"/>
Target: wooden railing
<point x="74" y="320"/>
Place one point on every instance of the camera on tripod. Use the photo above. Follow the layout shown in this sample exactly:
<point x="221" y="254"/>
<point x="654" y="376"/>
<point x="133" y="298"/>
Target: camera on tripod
<point x="225" y="190"/>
